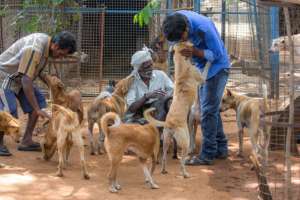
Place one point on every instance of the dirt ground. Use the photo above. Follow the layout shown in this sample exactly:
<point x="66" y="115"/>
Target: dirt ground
<point x="26" y="176"/>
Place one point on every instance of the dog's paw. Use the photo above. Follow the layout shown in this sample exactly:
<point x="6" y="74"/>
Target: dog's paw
<point x="186" y="175"/>
<point x="59" y="174"/>
<point x="118" y="186"/>
<point x="154" y="186"/>
<point x="175" y="157"/>
<point x="86" y="176"/>
<point x="164" y="171"/>
<point x="112" y="189"/>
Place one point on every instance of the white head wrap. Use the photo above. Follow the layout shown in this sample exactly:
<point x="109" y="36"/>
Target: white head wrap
<point x="139" y="57"/>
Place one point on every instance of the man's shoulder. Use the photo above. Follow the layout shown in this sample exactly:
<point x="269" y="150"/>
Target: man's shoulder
<point x="159" y="73"/>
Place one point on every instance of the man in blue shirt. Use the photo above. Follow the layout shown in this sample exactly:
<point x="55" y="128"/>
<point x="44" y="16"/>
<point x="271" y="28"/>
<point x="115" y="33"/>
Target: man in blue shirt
<point x="208" y="47"/>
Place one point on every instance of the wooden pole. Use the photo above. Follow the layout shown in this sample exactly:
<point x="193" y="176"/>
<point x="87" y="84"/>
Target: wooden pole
<point x="287" y="190"/>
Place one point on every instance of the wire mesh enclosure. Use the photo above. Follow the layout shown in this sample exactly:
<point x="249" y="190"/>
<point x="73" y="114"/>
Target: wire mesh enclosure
<point x="106" y="33"/>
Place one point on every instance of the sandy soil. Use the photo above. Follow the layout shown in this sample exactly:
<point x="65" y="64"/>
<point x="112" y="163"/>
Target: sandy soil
<point x="26" y="176"/>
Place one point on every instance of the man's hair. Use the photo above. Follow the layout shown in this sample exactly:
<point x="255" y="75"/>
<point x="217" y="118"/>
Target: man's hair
<point x="65" y="40"/>
<point x="174" y="26"/>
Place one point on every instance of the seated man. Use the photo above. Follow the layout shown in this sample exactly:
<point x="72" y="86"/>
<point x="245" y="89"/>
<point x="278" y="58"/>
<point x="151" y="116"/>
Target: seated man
<point x="148" y="86"/>
<point x="21" y="64"/>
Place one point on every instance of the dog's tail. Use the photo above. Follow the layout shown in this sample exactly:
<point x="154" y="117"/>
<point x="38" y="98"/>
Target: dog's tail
<point x="152" y="120"/>
<point x="265" y="96"/>
<point x="106" y="120"/>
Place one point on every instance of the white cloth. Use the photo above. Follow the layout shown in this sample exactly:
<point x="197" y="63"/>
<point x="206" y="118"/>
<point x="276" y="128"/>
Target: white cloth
<point x="159" y="80"/>
<point x="139" y="57"/>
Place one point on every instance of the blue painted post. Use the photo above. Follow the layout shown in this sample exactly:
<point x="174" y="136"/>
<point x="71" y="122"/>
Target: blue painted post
<point x="258" y="34"/>
<point x="169" y="5"/>
<point x="197" y="5"/>
<point x="223" y="20"/>
<point x="274" y="57"/>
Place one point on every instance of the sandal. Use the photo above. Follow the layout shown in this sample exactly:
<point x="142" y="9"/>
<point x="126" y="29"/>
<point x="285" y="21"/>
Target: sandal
<point x="4" y="151"/>
<point x="31" y="147"/>
<point x="195" y="161"/>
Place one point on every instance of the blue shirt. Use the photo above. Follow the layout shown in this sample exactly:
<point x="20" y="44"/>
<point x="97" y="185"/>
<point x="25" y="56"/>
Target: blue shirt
<point x="204" y="35"/>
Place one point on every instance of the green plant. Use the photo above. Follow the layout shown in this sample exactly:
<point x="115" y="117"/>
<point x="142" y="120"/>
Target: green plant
<point x="143" y="17"/>
<point x="45" y="15"/>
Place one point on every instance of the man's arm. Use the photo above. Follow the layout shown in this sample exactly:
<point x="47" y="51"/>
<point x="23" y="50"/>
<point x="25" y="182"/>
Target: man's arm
<point x="135" y="106"/>
<point x="27" y="68"/>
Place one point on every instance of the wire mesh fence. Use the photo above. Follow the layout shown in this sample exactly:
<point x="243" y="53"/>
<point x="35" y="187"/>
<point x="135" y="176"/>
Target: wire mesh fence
<point x="106" y="33"/>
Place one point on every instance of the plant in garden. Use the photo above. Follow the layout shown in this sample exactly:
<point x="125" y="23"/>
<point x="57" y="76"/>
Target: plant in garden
<point x="45" y="15"/>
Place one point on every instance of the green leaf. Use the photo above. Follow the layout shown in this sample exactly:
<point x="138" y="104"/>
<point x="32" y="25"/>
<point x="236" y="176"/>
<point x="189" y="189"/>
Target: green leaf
<point x="141" y="20"/>
<point x="57" y="2"/>
<point x="135" y="18"/>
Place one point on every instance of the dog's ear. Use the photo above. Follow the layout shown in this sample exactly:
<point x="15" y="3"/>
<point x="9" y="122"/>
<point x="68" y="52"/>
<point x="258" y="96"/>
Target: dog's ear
<point x="61" y="85"/>
<point x="229" y="93"/>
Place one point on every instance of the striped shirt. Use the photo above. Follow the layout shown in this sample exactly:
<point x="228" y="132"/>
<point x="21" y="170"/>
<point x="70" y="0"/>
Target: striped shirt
<point x="27" y="56"/>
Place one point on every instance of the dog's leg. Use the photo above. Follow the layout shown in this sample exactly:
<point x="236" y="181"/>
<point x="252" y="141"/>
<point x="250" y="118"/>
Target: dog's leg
<point x="77" y="138"/>
<point x="241" y="136"/>
<point x="91" y="138"/>
<point x="183" y="140"/>
<point x="174" y="149"/>
<point x="166" y="144"/>
<point x="148" y="177"/>
<point x="100" y="144"/>
<point x="112" y="176"/>
<point x="191" y="125"/>
<point x="68" y="150"/>
<point x="61" y="138"/>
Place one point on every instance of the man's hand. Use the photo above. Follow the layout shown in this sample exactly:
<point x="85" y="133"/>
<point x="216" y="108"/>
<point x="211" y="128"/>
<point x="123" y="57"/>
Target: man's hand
<point x="43" y="114"/>
<point x="187" y="52"/>
<point x="155" y="94"/>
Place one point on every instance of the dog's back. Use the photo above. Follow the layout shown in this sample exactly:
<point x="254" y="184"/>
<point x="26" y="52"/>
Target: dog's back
<point x="144" y="139"/>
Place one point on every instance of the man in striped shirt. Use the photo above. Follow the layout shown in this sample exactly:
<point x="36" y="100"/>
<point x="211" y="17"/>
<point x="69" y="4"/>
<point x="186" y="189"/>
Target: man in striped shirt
<point x="21" y="64"/>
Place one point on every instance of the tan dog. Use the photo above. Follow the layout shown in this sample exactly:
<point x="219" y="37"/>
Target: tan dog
<point x="65" y="130"/>
<point x="248" y="112"/>
<point x="10" y="125"/>
<point x="187" y="78"/>
<point x="61" y="97"/>
<point x="104" y="103"/>
<point x="142" y="140"/>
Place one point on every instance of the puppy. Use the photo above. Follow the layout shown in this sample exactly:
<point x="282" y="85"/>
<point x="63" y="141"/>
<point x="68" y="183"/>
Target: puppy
<point x="248" y="112"/>
<point x="142" y="140"/>
<point x="65" y="130"/>
<point x="107" y="102"/>
<point x="10" y="125"/>
<point x="187" y="78"/>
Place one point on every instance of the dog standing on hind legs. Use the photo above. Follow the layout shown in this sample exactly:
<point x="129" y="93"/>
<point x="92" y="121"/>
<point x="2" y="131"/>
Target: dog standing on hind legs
<point x="142" y="140"/>
<point x="248" y="113"/>
<point x="187" y="78"/>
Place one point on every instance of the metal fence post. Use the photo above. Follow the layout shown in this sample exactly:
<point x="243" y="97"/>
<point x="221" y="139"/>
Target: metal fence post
<point x="197" y="4"/>
<point x="223" y="20"/>
<point x="274" y="57"/>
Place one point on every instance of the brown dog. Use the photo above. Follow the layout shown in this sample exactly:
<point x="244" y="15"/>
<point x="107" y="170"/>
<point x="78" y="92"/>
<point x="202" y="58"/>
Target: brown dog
<point x="104" y="103"/>
<point x="248" y="112"/>
<point x="142" y="140"/>
<point x="10" y="125"/>
<point x="65" y="130"/>
<point x="187" y="78"/>
<point x="61" y="97"/>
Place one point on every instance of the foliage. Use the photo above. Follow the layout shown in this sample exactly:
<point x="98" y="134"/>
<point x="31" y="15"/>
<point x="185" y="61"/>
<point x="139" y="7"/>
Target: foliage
<point x="143" y="17"/>
<point x="45" y="15"/>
